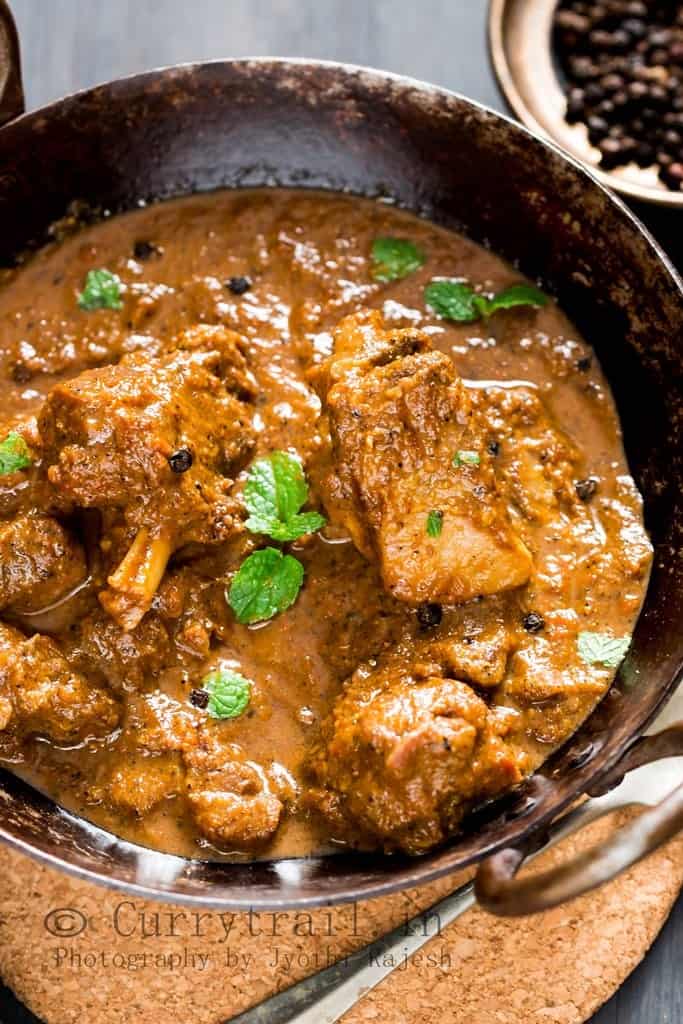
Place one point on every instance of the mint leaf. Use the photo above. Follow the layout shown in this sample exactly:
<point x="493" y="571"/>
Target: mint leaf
<point x="517" y="295"/>
<point x="102" y="291"/>
<point x="463" y="457"/>
<point x="14" y="454"/>
<point x="266" y="583"/>
<point x="275" y="490"/>
<point x="453" y="300"/>
<point x="434" y="523"/>
<point x="456" y="300"/>
<point x="602" y="648"/>
<point x="394" y="258"/>
<point x="229" y="693"/>
<point x="297" y="526"/>
<point x="276" y="487"/>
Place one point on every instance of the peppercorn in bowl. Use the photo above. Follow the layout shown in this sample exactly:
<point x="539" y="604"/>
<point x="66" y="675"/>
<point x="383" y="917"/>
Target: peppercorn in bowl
<point x="604" y="79"/>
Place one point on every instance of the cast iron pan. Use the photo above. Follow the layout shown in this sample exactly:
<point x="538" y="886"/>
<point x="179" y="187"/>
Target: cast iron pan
<point x="299" y="123"/>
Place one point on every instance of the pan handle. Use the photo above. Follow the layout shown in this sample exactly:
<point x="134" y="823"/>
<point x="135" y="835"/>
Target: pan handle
<point x="11" y="89"/>
<point x="501" y="893"/>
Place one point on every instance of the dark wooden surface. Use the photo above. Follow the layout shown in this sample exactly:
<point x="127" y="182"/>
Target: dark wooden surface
<point x="69" y="44"/>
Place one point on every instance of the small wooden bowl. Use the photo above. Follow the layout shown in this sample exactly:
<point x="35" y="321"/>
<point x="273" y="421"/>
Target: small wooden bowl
<point x="520" y="39"/>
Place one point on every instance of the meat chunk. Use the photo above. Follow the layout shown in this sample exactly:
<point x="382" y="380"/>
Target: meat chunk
<point x="537" y="464"/>
<point x="127" y="661"/>
<point x="400" y="419"/>
<point x="480" y="658"/>
<point x="40" y="562"/>
<point x="404" y="753"/>
<point x="151" y="442"/>
<point x="149" y="767"/>
<point x="41" y="694"/>
<point x="141" y="783"/>
<point x="231" y="798"/>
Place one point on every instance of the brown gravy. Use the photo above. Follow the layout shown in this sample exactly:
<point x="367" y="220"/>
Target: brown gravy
<point x="306" y="255"/>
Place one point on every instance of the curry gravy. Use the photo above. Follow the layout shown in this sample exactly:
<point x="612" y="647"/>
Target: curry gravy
<point x="306" y="256"/>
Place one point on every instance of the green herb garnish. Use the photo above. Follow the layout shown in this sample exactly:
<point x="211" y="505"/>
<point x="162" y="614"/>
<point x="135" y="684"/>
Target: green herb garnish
<point x="275" y="490"/>
<point x="394" y="258"/>
<point x="516" y="295"/>
<point x="102" y="291"/>
<point x="458" y="301"/>
<point x="266" y="583"/>
<point x="14" y="454"/>
<point x="453" y="300"/>
<point x="434" y="523"/>
<point x="466" y="458"/>
<point x="602" y="648"/>
<point x="229" y="693"/>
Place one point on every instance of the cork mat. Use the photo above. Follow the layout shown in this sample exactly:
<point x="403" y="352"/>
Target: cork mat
<point x="134" y="962"/>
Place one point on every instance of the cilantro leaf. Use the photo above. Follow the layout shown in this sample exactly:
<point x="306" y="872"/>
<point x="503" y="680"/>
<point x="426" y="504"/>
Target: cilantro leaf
<point x="229" y="693"/>
<point x="517" y="295"/>
<point x="102" y="291"/>
<point x="453" y="300"/>
<point x="602" y="648"/>
<point x="14" y="454"/>
<point x="434" y="523"/>
<point x="464" y="457"/>
<point x="458" y="301"/>
<point x="275" y="490"/>
<point x="394" y="258"/>
<point x="267" y="582"/>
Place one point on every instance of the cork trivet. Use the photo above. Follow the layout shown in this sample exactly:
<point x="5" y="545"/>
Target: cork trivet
<point x="557" y="968"/>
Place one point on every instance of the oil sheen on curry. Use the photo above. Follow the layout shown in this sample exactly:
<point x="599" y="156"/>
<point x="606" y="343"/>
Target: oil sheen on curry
<point x="316" y="527"/>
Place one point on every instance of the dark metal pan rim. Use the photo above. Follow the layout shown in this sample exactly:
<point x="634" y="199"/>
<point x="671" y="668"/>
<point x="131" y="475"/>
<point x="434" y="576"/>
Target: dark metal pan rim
<point x="266" y="885"/>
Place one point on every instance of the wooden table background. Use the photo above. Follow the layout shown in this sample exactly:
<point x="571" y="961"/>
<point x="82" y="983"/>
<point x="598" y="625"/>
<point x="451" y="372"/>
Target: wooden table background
<point x="71" y="44"/>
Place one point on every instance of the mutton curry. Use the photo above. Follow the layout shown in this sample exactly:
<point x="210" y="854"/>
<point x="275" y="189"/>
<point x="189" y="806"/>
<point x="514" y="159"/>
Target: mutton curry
<point x="315" y="525"/>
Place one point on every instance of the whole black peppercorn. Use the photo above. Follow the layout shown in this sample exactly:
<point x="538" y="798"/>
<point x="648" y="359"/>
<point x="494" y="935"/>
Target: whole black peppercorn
<point x="612" y="83"/>
<point x="620" y="41"/>
<point x="635" y="27"/>
<point x="597" y="128"/>
<point x="610" y="151"/>
<point x="493" y="447"/>
<point x="636" y="90"/>
<point x="606" y="109"/>
<point x="575" y="109"/>
<point x="143" y="251"/>
<point x="21" y="373"/>
<point x="661" y="38"/>
<point x="599" y="39"/>
<point x="584" y="364"/>
<point x="238" y="285"/>
<point x="585" y="489"/>
<point x="644" y="155"/>
<point x="429" y="615"/>
<point x="657" y="95"/>
<point x="533" y="622"/>
<point x="583" y="68"/>
<point x="181" y="460"/>
<point x="199" y="698"/>
<point x="673" y="176"/>
<point x="572" y="22"/>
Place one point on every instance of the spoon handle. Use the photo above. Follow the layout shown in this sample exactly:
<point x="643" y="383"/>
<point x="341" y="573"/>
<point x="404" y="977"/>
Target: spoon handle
<point x="324" y="997"/>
